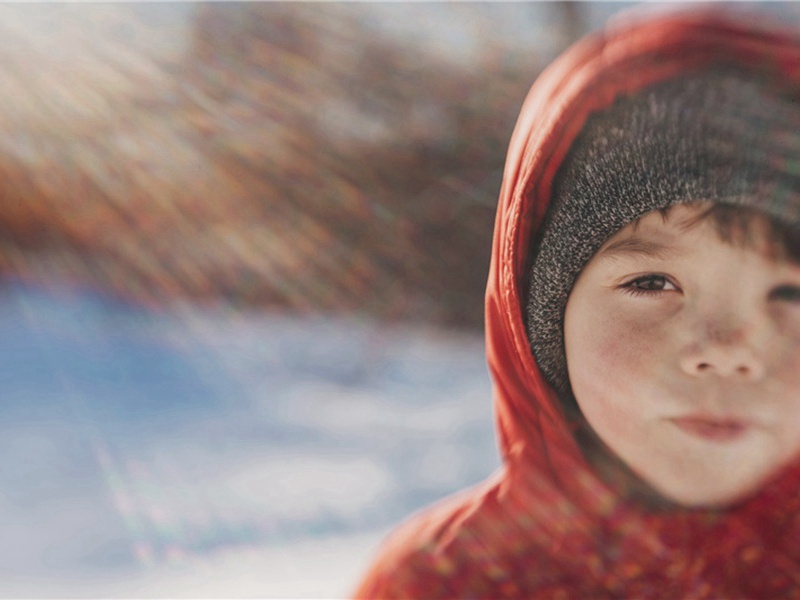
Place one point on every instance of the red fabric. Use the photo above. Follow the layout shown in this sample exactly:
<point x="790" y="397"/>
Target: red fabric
<point x="545" y="525"/>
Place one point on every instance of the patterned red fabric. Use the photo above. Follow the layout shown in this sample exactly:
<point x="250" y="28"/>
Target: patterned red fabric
<point x="546" y="526"/>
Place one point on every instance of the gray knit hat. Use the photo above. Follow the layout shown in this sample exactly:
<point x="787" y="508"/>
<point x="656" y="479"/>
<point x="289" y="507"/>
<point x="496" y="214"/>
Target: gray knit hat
<point x="721" y="135"/>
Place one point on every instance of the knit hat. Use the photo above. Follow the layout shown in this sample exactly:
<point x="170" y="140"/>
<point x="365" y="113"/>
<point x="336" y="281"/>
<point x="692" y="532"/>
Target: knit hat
<point x="720" y="135"/>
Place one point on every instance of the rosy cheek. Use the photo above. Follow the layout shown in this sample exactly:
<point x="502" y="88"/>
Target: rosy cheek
<point x="788" y="365"/>
<point x="611" y="371"/>
<point x="784" y="344"/>
<point x="619" y="353"/>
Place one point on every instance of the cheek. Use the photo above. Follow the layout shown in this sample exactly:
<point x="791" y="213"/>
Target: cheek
<point x="608" y="354"/>
<point x="782" y="344"/>
<point x="611" y="362"/>
<point x="792" y="345"/>
<point x="787" y="369"/>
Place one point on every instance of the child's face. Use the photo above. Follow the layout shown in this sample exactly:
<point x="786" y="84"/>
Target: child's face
<point x="683" y="354"/>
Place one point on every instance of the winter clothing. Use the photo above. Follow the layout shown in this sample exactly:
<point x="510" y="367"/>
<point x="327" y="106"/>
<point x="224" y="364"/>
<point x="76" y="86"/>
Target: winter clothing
<point x="547" y="525"/>
<point x="717" y="135"/>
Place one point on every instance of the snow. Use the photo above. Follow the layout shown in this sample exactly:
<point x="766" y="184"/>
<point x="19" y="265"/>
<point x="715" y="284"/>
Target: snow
<point x="221" y="453"/>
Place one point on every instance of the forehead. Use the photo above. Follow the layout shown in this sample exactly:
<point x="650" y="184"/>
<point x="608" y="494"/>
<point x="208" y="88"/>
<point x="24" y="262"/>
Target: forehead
<point x="672" y="232"/>
<point x="656" y="234"/>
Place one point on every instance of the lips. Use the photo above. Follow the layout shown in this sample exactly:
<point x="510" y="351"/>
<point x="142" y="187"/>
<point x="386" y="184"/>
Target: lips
<point x="710" y="428"/>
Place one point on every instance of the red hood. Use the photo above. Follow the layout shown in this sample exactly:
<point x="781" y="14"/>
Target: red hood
<point x="629" y="54"/>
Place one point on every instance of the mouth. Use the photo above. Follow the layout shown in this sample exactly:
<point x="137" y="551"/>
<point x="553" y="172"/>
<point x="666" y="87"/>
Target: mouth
<point x="711" y="428"/>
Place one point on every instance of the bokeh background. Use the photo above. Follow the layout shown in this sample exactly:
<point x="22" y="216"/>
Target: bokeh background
<point x="242" y="257"/>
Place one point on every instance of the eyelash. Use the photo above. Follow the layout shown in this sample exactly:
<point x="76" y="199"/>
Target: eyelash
<point x="631" y="288"/>
<point x="786" y="293"/>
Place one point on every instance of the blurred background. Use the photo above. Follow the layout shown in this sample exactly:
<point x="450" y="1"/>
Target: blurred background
<point x="243" y="251"/>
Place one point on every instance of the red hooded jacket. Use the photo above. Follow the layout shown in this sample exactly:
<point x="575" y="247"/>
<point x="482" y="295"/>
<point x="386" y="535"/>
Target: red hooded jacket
<point x="546" y="525"/>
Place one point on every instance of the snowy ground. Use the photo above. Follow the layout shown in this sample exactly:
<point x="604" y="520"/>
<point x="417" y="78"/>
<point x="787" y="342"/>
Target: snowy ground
<point x="219" y="453"/>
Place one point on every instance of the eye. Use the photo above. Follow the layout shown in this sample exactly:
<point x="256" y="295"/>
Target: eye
<point x="786" y="293"/>
<point x="650" y="284"/>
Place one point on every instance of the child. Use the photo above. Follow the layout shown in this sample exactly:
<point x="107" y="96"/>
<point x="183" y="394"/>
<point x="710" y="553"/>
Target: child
<point x="643" y="333"/>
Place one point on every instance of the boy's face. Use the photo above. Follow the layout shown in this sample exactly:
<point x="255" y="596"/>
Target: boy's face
<point x="683" y="354"/>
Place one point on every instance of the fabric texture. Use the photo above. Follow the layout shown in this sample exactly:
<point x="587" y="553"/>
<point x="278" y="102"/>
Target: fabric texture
<point x="717" y="134"/>
<point x="545" y="525"/>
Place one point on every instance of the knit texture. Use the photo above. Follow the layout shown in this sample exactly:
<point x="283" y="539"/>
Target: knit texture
<point x="722" y="136"/>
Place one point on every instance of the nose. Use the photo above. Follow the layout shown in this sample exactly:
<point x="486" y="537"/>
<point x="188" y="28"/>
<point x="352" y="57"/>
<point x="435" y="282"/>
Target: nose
<point x="724" y="352"/>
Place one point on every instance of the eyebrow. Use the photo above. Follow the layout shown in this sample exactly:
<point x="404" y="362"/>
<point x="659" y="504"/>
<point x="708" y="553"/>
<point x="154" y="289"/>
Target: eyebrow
<point x="636" y="246"/>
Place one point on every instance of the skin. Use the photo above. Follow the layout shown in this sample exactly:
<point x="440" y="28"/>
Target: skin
<point x="683" y="353"/>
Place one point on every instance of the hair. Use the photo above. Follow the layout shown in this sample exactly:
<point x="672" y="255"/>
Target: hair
<point x="745" y="226"/>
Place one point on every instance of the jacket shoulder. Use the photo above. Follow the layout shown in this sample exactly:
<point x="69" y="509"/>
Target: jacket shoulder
<point x="438" y="553"/>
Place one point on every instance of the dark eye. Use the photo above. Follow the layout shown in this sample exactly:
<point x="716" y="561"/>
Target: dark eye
<point x="786" y="293"/>
<point x="650" y="283"/>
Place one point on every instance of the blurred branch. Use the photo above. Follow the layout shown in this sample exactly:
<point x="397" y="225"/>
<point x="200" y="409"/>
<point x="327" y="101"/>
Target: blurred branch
<point x="272" y="155"/>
